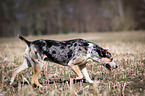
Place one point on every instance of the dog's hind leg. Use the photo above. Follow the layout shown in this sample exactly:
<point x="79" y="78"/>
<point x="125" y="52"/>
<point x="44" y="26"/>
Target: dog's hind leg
<point x="37" y="70"/>
<point x="19" y="69"/>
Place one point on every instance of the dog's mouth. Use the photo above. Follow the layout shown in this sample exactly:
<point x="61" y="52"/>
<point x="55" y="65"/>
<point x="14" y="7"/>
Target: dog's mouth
<point x="108" y="67"/>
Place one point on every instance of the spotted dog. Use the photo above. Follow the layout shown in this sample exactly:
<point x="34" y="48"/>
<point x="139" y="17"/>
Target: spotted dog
<point x="74" y="53"/>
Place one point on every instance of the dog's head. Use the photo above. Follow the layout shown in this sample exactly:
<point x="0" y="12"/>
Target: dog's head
<point x="107" y="59"/>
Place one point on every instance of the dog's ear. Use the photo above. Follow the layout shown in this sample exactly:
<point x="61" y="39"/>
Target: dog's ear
<point x="104" y="53"/>
<point x="100" y="52"/>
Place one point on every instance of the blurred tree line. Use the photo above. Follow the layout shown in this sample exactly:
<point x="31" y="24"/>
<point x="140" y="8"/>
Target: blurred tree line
<point x="40" y="17"/>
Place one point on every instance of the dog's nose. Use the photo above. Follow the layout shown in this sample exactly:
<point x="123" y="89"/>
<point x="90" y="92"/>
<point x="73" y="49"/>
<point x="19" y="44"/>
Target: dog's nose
<point x="116" y="66"/>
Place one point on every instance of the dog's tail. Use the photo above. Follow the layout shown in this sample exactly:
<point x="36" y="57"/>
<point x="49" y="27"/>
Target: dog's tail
<point x="23" y="39"/>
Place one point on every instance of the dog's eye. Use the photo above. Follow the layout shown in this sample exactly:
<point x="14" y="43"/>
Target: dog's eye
<point x="108" y="55"/>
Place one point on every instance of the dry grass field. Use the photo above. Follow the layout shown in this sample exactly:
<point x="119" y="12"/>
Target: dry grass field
<point x="128" y="49"/>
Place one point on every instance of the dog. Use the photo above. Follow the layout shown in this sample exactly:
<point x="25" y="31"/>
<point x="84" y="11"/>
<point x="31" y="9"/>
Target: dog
<point x="75" y="53"/>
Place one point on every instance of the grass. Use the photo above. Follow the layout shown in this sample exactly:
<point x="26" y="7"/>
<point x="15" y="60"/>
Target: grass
<point x="128" y="49"/>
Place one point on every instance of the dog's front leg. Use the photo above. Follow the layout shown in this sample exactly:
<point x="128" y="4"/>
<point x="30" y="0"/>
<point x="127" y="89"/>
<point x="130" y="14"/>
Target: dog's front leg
<point x="76" y="69"/>
<point x="85" y="73"/>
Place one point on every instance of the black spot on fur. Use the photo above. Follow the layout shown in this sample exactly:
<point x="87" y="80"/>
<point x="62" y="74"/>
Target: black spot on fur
<point x="69" y="46"/>
<point x="86" y="48"/>
<point x="48" y="46"/>
<point x="85" y="44"/>
<point x="62" y="47"/>
<point x="69" y="54"/>
<point x="80" y="49"/>
<point x="53" y="52"/>
<point x="75" y="44"/>
<point x="74" y="58"/>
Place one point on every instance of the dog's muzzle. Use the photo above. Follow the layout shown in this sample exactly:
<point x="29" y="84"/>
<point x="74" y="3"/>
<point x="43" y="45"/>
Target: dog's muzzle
<point x="110" y="65"/>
